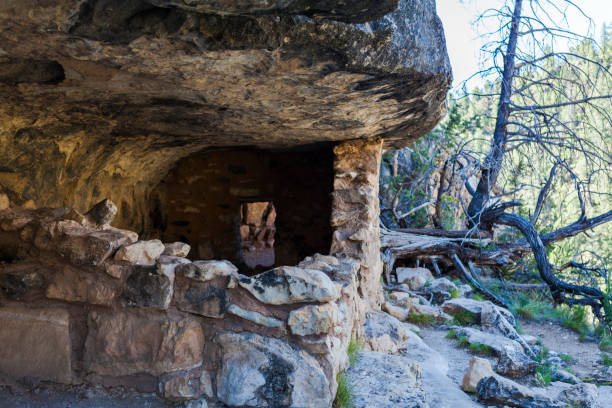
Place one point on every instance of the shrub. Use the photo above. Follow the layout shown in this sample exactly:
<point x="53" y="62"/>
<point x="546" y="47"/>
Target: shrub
<point x="420" y="319"/>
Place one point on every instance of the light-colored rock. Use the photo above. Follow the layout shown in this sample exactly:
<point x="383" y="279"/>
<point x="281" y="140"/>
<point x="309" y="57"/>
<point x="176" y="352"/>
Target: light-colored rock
<point x="254" y="317"/>
<point x="206" y="384"/>
<point x="582" y="395"/>
<point x="478" y="369"/>
<point x="465" y="290"/>
<point x="313" y="319"/>
<point x="403" y="299"/>
<point x="565" y="376"/>
<point x="441" y="285"/>
<point x="529" y="339"/>
<point x="512" y="360"/>
<point x="287" y="284"/>
<point x="4" y="202"/>
<point x="207" y="270"/>
<point x="471" y="309"/>
<point x="386" y="381"/>
<point x="179" y="249"/>
<point x="35" y="343"/>
<point x="398" y="312"/>
<point x="130" y="342"/>
<point x="259" y="371"/>
<point x="415" y="278"/>
<point x="201" y="403"/>
<point x="141" y="252"/>
<point x="500" y="391"/>
<point x="493" y="321"/>
<point x="431" y="313"/>
<point x="384" y="333"/>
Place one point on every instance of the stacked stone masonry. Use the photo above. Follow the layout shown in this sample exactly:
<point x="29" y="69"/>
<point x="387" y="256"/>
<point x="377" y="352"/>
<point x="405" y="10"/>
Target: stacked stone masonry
<point x="118" y="310"/>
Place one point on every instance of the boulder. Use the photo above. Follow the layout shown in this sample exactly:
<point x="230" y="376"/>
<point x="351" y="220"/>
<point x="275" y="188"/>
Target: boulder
<point x="500" y="391"/>
<point x="148" y="287"/>
<point x="207" y="270"/>
<point x="478" y="369"/>
<point x="403" y="299"/>
<point x="313" y="319"/>
<point x="258" y="371"/>
<point x="565" y="376"/>
<point x="581" y="396"/>
<point x="128" y="342"/>
<point x="429" y="314"/>
<point x="254" y="317"/>
<point x="384" y="333"/>
<point x="415" y="278"/>
<point x="103" y="213"/>
<point x="286" y="285"/>
<point x="470" y="310"/>
<point x="141" y="252"/>
<point x="399" y="313"/>
<point x="386" y="381"/>
<point x="441" y="289"/>
<point x="493" y="321"/>
<point x="179" y="249"/>
<point x="35" y="342"/>
<point x="512" y="360"/>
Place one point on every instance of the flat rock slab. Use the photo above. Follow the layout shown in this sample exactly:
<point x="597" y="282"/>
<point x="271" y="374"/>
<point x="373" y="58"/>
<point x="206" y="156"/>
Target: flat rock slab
<point x="386" y="381"/>
<point x="124" y="343"/>
<point x="35" y="343"/>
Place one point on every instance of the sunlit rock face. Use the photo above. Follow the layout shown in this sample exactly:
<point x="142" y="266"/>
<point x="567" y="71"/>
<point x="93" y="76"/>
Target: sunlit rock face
<point x="101" y="98"/>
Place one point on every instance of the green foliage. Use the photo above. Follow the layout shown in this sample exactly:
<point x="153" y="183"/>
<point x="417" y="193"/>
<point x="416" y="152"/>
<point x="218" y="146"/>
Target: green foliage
<point x="544" y="371"/>
<point x="451" y="334"/>
<point x="455" y="293"/>
<point x="530" y="306"/>
<point x="463" y="318"/>
<point x="607" y="360"/>
<point x="462" y="341"/>
<point x="353" y="350"/>
<point x="420" y="319"/>
<point x="575" y="318"/>
<point x="478" y="296"/>
<point x="344" y="395"/>
<point x="480" y="348"/>
<point x="566" y="357"/>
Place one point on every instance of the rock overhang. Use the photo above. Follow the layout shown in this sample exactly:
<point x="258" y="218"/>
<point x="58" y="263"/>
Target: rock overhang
<point x="101" y="98"/>
<point x="192" y="77"/>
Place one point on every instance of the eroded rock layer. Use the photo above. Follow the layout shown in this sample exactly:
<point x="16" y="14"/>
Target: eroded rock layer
<point x="100" y="98"/>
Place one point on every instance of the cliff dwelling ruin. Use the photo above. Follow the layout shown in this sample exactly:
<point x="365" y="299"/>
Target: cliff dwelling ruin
<point x="189" y="189"/>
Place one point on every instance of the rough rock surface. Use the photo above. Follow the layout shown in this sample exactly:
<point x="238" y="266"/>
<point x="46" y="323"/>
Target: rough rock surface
<point x="415" y="278"/>
<point x="497" y="390"/>
<point x="471" y="309"/>
<point x="179" y="249"/>
<point x="478" y="369"/>
<point x="384" y="333"/>
<point x="386" y="381"/>
<point x="313" y="319"/>
<point x="289" y="284"/>
<point x="259" y="371"/>
<point x="125" y="343"/>
<point x="207" y="270"/>
<point x="116" y="90"/>
<point x="36" y="343"/>
<point x="141" y="252"/>
<point x="512" y="360"/>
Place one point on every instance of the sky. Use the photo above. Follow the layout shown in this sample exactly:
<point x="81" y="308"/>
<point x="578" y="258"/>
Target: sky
<point x="462" y="35"/>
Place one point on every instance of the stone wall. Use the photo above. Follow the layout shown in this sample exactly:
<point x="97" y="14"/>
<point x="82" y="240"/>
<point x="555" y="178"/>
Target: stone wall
<point x="199" y="201"/>
<point x="116" y="310"/>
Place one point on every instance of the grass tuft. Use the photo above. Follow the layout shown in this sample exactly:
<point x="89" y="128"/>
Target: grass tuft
<point x="354" y="348"/>
<point x="566" y="357"/>
<point x="607" y="360"/>
<point x="478" y="296"/>
<point x="462" y="341"/>
<point x="544" y="371"/>
<point x="344" y="395"/>
<point x="420" y="319"/>
<point x="455" y="293"/>
<point x="451" y="334"/>
<point x="480" y="348"/>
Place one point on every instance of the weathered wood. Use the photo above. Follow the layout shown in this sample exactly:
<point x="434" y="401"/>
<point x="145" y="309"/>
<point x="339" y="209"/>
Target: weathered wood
<point x="468" y="276"/>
